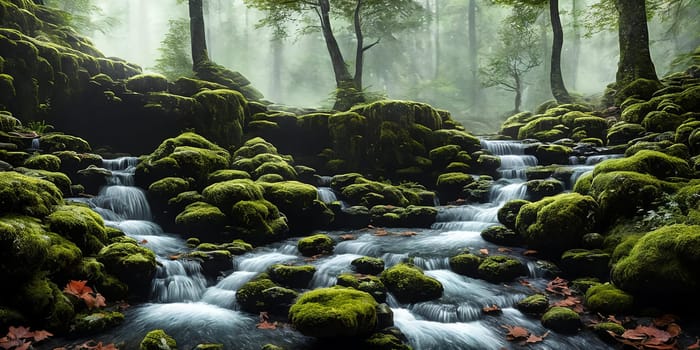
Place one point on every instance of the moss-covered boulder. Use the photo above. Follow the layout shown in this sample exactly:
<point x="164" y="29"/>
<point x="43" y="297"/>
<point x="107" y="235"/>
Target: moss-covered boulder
<point x="144" y="83"/>
<point x="298" y="202"/>
<point x="538" y="189"/>
<point x="622" y="132"/>
<point x="368" y="283"/>
<point x="225" y="194"/>
<point x="334" y="312"/>
<point x="262" y="294"/>
<point x="48" y="162"/>
<point x="450" y="185"/>
<point x="508" y="213"/>
<point x="81" y="225"/>
<point x="466" y="264"/>
<point x="27" y="195"/>
<point x="662" y="265"/>
<point x="55" y="142"/>
<point x="409" y="284"/>
<point x="23" y="247"/>
<point x="555" y="224"/>
<point x="132" y="264"/>
<point x="61" y="180"/>
<point x="535" y="304"/>
<point x="501" y="235"/>
<point x="315" y="245"/>
<point x="96" y="322"/>
<point x="291" y="276"/>
<point x="368" y="265"/>
<point x="157" y="339"/>
<point x="257" y="222"/>
<point x="225" y="175"/>
<point x="585" y="263"/>
<point x="561" y="320"/>
<point x="201" y="219"/>
<point x="501" y="268"/>
<point x="167" y="188"/>
<point x="541" y="128"/>
<point x="654" y="163"/>
<point x="552" y="154"/>
<point x="608" y="300"/>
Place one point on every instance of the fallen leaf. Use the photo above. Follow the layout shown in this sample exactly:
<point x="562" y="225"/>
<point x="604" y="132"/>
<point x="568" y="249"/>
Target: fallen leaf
<point x="559" y="286"/>
<point x="665" y="320"/>
<point x="41" y="335"/>
<point x="381" y="232"/>
<point x="516" y="332"/>
<point x="530" y="252"/>
<point x="673" y="329"/>
<point x="491" y="309"/>
<point x="407" y="234"/>
<point x="504" y="250"/>
<point x="347" y="237"/>
<point x="533" y="339"/>
<point x="484" y="251"/>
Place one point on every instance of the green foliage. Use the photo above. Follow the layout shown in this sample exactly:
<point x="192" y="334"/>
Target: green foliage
<point x="84" y="15"/>
<point x="175" y="53"/>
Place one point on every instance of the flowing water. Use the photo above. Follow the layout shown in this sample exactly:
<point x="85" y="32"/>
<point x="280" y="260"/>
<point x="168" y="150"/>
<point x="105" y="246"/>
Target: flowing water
<point x="195" y="310"/>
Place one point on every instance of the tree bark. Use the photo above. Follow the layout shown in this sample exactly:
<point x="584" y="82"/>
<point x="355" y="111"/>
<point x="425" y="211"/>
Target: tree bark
<point x="360" y="49"/>
<point x="276" y="78"/>
<point x="197" y="34"/>
<point x="555" y="79"/>
<point x="576" y="44"/>
<point x="342" y="74"/>
<point x="518" y="93"/>
<point x="635" y="59"/>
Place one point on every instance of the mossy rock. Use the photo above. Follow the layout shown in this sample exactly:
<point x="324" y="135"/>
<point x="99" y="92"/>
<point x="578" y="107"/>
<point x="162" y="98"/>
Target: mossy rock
<point x="225" y="194"/>
<point x="555" y="224"/>
<point x="409" y="284"/>
<point x="385" y="341"/>
<point x="168" y="187"/>
<point x="552" y="154"/>
<point x="132" y="264"/>
<point x="502" y="235"/>
<point x="449" y="185"/>
<point x="60" y="142"/>
<point x="635" y="113"/>
<point x="368" y="265"/>
<point x="251" y="295"/>
<point x="369" y="284"/>
<point x="62" y="256"/>
<point x="508" y="213"/>
<point x="641" y="88"/>
<point x="662" y="265"/>
<point x="48" y="162"/>
<point x="61" y="180"/>
<point x="561" y="320"/>
<point x="684" y="130"/>
<point x="418" y="216"/>
<point x="688" y="99"/>
<point x="443" y="155"/>
<point x="538" y="189"/>
<point x="81" y="225"/>
<point x="478" y="191"/>
<point x="225" y="175"/>
<point x="622" y="132"/>
<point x="488" y="165"/>
<point x="315" y="245"/>
<point x="7" y="121"/>
<point x="144" y="83"/>
<point x="257" y="221"/>
<point x="291" y="276"/>
<point x="157" y="339"/>
<point x="649" y="162"/>
<point x="85" y="324"/>
<point x="501" y="268"/>
<point x="535" y="304"/>
<point x="540" y="128"/>
<point x="200" y="218"/>
<point x="295" y="200"/>
<point x="608" y="300"/>
<point x="585" y="263"/>
<point x="466" y="264"/>
<point x="603" y="329"/>
<point x="334" y="312"/>
<point x="27" y="195"/>
<point x="660" y="121"/>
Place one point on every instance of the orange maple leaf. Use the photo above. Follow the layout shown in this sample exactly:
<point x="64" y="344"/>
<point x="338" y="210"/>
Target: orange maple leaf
<point x="491" y="309"/>
<point x="533" y="339"/>
<point x="516" y="332"/>
<point x="484" y="251"/>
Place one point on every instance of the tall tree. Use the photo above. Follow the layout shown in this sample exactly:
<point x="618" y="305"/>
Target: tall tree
<point x="473" y="52"/>
<point x="635" y="59"/>
<point x="198" y="35"/>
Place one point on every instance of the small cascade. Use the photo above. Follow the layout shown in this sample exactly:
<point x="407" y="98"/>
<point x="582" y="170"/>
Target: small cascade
<point x="589" y="164"/>
<point x="324" y="181"/>
<point x="514" y="161"/>
<point x="505" y="190"/>
<point x="326" y="195"/>
<point x="36" y="145"/>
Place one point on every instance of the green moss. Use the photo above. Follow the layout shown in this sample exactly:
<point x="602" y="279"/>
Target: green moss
<point x="59" y="142"/>
<point x="541" y="129"/>
<point x="61" y="180"/>
<point x="62" y="255"/>
<point x="226" y="194"/>
<point x="369" y="284"/>
<point x="501" y="268"/>
<point x="553" y="154"/>
<point x="201" y="217"/>
<point x="660" y="121"/>
<point x="535" y="304"/>
<point x="48" y="162"/>
<point x="602" y="330"/>
<point x="316" y="244"/>
<point x="81" y="225"/>
<point x="409" y="284"/>
<point x="96" y="322"/>
<point x="144" y="83"/>
<point x="641" y="88"/>
<point x="443" y="155"/>
<point x="384" y="341"/>
<point x="622" y="132"/>
<point x="555" y="224"/>
<point x="538" y="189"/>
<point x="132" y="264"/>
<point x="368" y="265"/>
<point x="27" y="195"/>
<point x="258" y="221"/>
<point x="291" y="276"/>
<point x="608" y="300"/>
<point x="466" y="264"/>
<point x="168" y="187"/>
<point x="662" y="265"/>
<point x="450" y="185"/>
<point x="227" y="174"/>
<point x="283" y="169"/>
<point x="684" y="130"/>
<point x="508" y="213"/>
<point x="561" y="320"/>
<point x="334" y="312"/>
<point x="23" y="247"/>
<point x="585" y="263"/>
<point x="157" y="339"/>
<point x="501" y="235"/>
<point x="182" y="200"/>
<point x="223" y="115"/>
<point x="252" y="295"/>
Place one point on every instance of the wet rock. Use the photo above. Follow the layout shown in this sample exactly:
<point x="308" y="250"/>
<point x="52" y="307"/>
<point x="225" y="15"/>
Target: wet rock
<point x="409" y="284"/>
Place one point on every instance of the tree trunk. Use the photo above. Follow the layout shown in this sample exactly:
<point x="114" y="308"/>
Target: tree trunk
<point x="197" y="34"/>
<point x="576" y="44"/>
<point x="276" y="78"/>
<point x="635" y="59"/>
<point x="518" y="93"/>
<point x="473" y="54"/>
<point x="555" y="79"/>
<point x="360" y="50"/>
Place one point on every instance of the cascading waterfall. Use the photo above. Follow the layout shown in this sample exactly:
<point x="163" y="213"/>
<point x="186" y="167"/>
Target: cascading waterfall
<point x="196" y="310"/>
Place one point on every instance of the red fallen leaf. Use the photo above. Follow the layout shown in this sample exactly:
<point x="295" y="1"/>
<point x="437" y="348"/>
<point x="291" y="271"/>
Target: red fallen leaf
<point x="143" y="241"/>
<point x="407" y="234"/>
<point x="491" y="309"/>
<point x="516" y="332"/>
<point x="673" y="329"/>
<point x="90" y="345"/>
<point x="665" y="320"/>
<point x="504" y="250"/>
<point x="41" y="335"/>
<point x="175" y="256"/>
<point x="265" y="322"/>
<point x="77" y="288"/>
<point x="559" y="286"/>
<point x="484" y="251"/>
<point x="530" y="252"/>
<point x="347" y="237"/>
<point x="381" y="232"/>
<point x="533" y="339"/>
